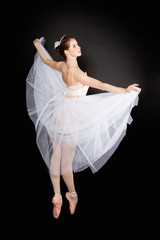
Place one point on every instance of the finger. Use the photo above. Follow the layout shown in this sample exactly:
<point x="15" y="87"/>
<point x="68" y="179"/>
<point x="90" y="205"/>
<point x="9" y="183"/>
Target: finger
<point x="135" y="89"/>
<point x="128" y="90"/>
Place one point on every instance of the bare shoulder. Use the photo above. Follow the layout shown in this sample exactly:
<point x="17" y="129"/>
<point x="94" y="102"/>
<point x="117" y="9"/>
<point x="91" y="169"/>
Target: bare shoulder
<point x="83" y="78"/>
<point x="55" y="65"/>
<point x="60" y="65"/>
<point x="79" y="73"/>
<point x="80" y="76"/>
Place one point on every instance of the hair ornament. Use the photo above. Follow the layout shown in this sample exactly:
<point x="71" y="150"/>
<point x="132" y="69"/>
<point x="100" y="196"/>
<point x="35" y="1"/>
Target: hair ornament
<point x="58" y="43"/>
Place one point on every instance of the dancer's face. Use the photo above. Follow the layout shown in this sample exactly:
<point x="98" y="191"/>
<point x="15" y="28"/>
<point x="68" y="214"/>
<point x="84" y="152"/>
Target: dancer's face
<point x="74" y="49"/>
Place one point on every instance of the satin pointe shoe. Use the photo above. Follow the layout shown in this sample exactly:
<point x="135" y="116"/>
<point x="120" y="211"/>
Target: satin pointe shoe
<point x="57" y="204"/>
<point x="72" y="197"/>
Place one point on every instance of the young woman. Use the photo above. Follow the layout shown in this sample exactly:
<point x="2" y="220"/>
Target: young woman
<point x="74" y="131"/>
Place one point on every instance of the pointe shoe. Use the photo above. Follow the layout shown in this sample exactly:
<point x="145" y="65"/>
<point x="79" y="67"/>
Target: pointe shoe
<point x="72" y="204"/>
<point x="57" y="204"/>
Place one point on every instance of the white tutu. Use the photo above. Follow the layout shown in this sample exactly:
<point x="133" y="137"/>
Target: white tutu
<point x="80" y="132"/>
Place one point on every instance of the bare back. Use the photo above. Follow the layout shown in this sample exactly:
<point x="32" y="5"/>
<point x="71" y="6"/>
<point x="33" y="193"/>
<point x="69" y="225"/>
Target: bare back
<point x="68" y="76"/>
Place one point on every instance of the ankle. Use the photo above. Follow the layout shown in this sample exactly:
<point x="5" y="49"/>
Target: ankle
<point x="73" y="194"/>
<point x="58" y="194"/>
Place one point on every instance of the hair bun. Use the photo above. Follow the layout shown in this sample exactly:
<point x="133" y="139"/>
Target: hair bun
<point x="62" y="45"/>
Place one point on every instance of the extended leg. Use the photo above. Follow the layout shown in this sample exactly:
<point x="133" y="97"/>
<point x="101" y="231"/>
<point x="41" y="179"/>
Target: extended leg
<point x="55" y="168"/>
<point x="67" y="174"/>
<point x="55" y="179"/>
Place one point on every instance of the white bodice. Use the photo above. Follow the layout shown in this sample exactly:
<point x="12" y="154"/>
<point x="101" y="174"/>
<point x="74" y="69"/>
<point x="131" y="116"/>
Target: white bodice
<point x="75" y="91"/>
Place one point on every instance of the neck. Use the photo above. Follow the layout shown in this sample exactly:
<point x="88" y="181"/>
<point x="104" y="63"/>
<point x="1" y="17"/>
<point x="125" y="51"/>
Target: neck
<point x="72" y="62"/>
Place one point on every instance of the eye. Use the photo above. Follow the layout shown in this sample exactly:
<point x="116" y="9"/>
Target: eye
<point x="75" y="44"/>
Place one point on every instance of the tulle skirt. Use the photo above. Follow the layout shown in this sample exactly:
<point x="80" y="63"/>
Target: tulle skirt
<point x="75" y="133"/>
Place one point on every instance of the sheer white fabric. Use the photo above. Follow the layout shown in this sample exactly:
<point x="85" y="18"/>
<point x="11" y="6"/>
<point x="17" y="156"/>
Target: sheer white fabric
<point x="74" y="131"/>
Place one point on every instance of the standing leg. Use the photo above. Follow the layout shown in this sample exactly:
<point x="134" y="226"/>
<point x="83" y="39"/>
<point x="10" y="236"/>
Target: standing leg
<point x="66" y="167"/>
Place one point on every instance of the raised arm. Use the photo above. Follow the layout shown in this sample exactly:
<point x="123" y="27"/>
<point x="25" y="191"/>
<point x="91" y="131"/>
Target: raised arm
<point x="51" y="63"/>
<point x="94" y="83"/>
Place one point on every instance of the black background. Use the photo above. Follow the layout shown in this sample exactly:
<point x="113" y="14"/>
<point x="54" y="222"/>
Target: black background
<point x="120" y="45"/>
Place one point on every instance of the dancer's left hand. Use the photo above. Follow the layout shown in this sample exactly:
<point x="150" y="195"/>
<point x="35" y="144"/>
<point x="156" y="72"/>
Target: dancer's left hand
<point x="132" y="87"/>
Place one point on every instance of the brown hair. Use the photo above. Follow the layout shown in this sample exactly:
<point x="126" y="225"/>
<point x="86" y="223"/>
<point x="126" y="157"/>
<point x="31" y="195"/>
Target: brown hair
<point x="64" y="46"/>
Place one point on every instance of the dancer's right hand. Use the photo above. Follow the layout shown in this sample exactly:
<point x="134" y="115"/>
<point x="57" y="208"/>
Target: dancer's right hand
<point x="36" y="41"/>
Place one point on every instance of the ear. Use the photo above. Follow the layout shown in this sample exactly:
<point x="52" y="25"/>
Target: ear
<point x="66" y="52"/>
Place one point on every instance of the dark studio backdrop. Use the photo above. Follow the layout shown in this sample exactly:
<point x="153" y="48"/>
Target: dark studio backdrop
<point x="119" y="46"/>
